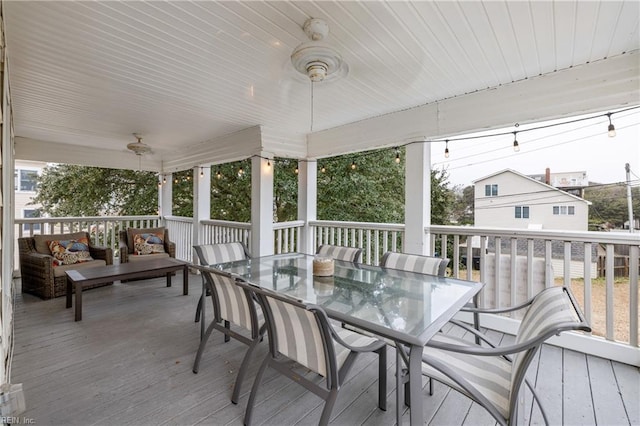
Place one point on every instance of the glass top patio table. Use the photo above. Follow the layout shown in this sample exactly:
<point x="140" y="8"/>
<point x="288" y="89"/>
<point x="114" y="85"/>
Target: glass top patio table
<point x="402" y="306"/>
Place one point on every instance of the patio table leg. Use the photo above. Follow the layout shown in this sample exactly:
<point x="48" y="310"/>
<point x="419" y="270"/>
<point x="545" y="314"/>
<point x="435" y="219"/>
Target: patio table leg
<point x="414" y="389"/>
<point x="69" y="291"/>
<point x="168" y="279"/>
<point x="78" y="301"/>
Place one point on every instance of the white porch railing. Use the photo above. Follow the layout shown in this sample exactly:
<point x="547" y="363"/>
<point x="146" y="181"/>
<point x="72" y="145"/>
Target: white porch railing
<point x="373" y="238"/>
<point x="585" y="261"/>
<point x="103" y="230"/>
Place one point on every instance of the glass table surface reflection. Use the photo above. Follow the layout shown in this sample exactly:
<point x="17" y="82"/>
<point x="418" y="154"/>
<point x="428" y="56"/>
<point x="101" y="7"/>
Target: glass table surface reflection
<point x="402" y="306"/>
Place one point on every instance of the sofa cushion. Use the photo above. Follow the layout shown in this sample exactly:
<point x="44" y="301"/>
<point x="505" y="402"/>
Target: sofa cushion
<point x="42" y="246"/>
<point x="58" y="271"/>
<point x="146" y="234"/>
<point x="69" y="252"/>
<point x="136" y="258"/>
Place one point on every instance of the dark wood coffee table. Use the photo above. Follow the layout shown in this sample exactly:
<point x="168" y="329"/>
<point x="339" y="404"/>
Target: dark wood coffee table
<point x="77" y="278"/>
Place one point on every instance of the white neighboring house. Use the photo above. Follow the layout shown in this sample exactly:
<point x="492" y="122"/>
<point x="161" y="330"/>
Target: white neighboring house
<point x="25" y="175"/>
<point x="509" y="199"/>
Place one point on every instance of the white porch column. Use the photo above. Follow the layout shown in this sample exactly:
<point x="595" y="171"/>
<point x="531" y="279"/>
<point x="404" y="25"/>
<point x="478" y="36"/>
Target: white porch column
<point x="201" y="201"/>
<point x="417" y="198"/>
<point x="261" y="206"/>
<point x="165" y="196"/>
<point x="307" y="202"/>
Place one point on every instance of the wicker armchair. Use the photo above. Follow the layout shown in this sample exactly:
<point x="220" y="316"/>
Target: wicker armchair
<point x="39" y="275"/>
<point x="127" y="251"/>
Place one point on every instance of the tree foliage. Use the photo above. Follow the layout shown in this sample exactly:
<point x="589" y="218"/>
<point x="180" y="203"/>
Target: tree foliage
<point x="69" y="190"/>
<point x="372" y="192"/>
<point x="610" y="206"/>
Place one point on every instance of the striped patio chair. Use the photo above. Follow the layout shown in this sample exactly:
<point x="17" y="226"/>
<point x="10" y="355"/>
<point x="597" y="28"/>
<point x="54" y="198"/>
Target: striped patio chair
<point x="302" y="333"/>
<point x="209" y="254"/>
<point x="231" y="305"/>
<point x="348" y="254"/>
<point x="415" y="263"/>
<point x="493" y="376"/>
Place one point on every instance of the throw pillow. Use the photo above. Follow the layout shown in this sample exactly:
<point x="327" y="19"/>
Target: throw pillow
<point x="69" y="252"/>
<point x="148" y="243"/>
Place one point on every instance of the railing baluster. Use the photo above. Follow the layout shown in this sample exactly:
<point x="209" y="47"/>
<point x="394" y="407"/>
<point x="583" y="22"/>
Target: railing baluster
<point x="609" y="292"/>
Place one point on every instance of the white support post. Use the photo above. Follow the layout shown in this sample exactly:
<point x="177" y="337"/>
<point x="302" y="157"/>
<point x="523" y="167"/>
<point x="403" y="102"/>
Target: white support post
<point x="165" y="196"/>
<point x="261" y="206"/>
<point x="417" y="214"/>
<point x="307" y="202"/>
<point x="201" y="201"/>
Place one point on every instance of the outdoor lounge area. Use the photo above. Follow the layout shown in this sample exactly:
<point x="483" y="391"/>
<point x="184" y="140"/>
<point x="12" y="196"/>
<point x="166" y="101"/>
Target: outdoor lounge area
<point x="173" y="92"/>
<point x="129" y="362"/>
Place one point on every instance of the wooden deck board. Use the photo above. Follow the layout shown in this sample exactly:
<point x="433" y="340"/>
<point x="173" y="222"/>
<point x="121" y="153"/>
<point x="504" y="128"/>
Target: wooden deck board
<point x="129" y="362"/>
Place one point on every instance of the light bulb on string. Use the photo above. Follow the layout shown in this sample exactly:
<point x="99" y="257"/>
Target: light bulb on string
<point x="397" y="156"/>
<point x="353" y="165"/>
<point x="268" y="163"/>
<point x="611" y="129"/>
<point x="201" y="172"/>
<point x="218" y="174"/>
<point x="240" y="171"/>
<point x="164" y="179"/>
<point x="516" y="145"/>
<point x="296" y="170"/>
<point x="322" y="168"/>
<point x="446" y="149"/>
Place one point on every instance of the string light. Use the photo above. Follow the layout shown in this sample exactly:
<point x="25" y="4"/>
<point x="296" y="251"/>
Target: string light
<point x="516" y="146"/>
<point x="397" y="159"/>
<point x="175" y="180"/>
<point x="612" y="128"/>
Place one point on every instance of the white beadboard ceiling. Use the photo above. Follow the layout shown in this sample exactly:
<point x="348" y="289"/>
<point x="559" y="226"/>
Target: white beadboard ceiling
<point x="185" y="73"/>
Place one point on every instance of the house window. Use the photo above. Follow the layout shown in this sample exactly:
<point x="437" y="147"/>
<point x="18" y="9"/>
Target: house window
<point x="522" y="212"/>
<point x="491" y="190"/>
<point x="25" y="180"/>
<point x="564" y="210"/>
<point x="28" y="213"/>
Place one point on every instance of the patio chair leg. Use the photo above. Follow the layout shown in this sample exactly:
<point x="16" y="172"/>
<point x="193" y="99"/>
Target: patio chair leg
<point x="227" y="325"/>
<point x="254" y="390"/>
<point x="243" y="371"/>
<point x="199" y="309"/>
<point x="328" y="407"/>
<point x="203" y="343"/>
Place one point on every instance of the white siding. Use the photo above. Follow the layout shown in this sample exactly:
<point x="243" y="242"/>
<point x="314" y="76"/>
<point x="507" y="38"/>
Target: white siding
<point x="517" y="190"/>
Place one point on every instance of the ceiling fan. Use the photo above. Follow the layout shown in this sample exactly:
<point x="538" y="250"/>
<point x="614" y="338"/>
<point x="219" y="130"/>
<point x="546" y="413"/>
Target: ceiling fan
<point x="316" y="59"/>
<point x="138" y="147"/>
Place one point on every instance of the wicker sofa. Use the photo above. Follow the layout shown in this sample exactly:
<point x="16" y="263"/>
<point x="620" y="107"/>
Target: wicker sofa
<point x="40" y="275"/>
<point x="129" y="253"/>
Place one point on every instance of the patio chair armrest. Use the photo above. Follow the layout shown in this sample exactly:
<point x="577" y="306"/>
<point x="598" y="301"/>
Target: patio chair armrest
<point x="36" y="259"/>
<point x="471" y="330"/>
<point x="371" y="347"/>
<point x="103" y="253"/>
<point x="468" y="308"/>
<point x="170" y="247"/>
<point x="123" y="247"/>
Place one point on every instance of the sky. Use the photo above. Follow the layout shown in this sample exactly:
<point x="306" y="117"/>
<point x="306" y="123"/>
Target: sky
<point x="566" y="147"/>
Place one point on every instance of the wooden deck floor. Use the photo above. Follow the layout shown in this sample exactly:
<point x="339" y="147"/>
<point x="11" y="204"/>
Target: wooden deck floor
<point x="129" y="363"/>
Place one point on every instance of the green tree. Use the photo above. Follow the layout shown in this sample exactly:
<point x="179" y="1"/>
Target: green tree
<point x="609" y="207"/>
<point x="374" y="191"/>
<point x="70" y="190"/>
